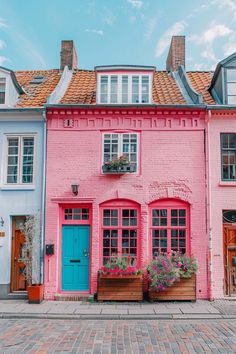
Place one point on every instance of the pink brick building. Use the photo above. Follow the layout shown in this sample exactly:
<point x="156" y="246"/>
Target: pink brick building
<point x="157" y="204"/>
<point x="177" y="130"/>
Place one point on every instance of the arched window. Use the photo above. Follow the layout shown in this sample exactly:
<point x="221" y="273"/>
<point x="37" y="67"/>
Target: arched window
<point x="170" y="229"/>
<point x="120" y="230"/>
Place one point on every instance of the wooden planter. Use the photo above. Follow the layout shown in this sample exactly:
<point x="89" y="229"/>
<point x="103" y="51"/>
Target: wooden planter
<point x="35" y="293"/>
<point x="120" y="287"/>
<point x="184" y="289"/>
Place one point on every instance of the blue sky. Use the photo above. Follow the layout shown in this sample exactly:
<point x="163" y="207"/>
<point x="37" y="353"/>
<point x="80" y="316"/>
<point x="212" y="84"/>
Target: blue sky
<point x="115" y="31"/>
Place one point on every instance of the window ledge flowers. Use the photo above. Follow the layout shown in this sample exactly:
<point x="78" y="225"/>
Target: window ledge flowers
<point x="119" y="165"/>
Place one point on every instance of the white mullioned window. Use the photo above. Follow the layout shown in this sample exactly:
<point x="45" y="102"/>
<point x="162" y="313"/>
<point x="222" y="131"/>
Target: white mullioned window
<point x="127" y="88"/>
<point x="2" y="90"/>
<point x="20" y="159"/>
<point x="121" y="144"/>
<point x="231" y="86"/>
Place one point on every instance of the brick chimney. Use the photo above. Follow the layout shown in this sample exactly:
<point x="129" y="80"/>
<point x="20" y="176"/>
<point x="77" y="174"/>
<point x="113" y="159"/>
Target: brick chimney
<point x="176" y="55"/>
<point x="68" y="55"/>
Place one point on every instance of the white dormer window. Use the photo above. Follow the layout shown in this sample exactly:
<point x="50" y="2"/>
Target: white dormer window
<point x="231" y="86"/>
<point x="2" y="90"/>
<point x="124" y="88"/>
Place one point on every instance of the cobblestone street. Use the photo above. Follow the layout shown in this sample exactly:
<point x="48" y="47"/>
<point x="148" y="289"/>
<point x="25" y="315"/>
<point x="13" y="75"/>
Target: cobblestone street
<point x="104" y="336"/>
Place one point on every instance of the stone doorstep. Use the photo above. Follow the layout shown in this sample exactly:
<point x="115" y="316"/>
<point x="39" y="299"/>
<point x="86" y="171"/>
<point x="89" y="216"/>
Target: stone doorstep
<point x="81" y="297"/>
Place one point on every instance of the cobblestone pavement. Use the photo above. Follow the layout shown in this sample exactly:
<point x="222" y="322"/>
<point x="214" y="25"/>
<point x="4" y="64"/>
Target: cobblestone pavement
<point x="104" y="336"/>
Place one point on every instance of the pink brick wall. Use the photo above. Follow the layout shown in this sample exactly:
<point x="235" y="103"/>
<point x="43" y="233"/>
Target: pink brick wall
<point x="171" y="166"/>
<point x="222" y="195"/>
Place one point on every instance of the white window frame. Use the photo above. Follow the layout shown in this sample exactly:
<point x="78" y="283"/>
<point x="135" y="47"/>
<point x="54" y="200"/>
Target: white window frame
<point x="119" y="88"/>
<point x="20" y="154"/>
<point x="227" y="85"/>
<point x="120" y="145"/>
<point x="5" y="97"/>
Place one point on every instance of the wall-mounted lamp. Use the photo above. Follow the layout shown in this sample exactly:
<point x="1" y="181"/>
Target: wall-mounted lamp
<point x="74" y="188"/>
<point x="1" y="222"/>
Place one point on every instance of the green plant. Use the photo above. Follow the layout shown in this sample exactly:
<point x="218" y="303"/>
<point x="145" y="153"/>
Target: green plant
<point x="120" y="266"/>
<point x="186" y="265"/>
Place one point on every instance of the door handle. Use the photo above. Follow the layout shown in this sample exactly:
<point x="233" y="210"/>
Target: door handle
<point x="74" y="260"/>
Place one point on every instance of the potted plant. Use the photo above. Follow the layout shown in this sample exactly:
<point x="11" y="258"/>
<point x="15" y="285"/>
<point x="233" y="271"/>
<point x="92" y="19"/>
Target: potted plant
<point x="119" y="165"/>
<point x="172" y="278"/>
<point x="31" y="258"/>
<point x="119" y="279"/>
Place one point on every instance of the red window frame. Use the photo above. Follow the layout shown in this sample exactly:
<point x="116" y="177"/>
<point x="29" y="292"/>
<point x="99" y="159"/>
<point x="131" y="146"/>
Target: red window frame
<point x="127" y="236"/>
<point x="170" y="226"/>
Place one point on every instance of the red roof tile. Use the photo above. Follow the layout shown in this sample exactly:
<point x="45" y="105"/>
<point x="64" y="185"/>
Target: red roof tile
<point x="200" y="81"/>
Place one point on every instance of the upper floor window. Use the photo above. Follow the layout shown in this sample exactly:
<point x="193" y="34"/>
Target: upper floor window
<point x="2" y="90"/>
<point x="127" y="88"/>
<point x="170" y="227"/>
<point x="228" y="157"/>
<point x="231" y="86"/>
<point x="20" y="159"/>
<point x="116" y="145"/>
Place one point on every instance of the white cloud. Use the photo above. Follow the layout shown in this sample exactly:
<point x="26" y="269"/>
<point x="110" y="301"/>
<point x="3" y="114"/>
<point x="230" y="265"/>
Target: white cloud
<point x="151" y="25"/>
<point x="214" y="32"/>
<point x="229" y="4"/>
<point x="209" y="54"/>
<point x="136" y="3"/>
<point x="2" y="44"/>
<point x="2" y="60"/>
<point x="2" y="23"/>
<point x="164" y="42"/>
<point x="108" y="17"/>
<point x="99" y="32"/>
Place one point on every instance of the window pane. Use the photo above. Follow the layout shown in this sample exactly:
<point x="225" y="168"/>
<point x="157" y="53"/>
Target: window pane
<point x="231" y="87"/>
<point x="28" y="156"/>
<point x="228" y="156"/>
<point x="114" y="83"/>
<point x="231" y="99"/>
<point x="13" y="160"/>
<point x="231" y="75"/>
<point x="125" y="89"/>
<point x="145" y="89"/>
<point x="2" y="90"/>
<point x="104" y="89"/>
<point x="135" y="89"/>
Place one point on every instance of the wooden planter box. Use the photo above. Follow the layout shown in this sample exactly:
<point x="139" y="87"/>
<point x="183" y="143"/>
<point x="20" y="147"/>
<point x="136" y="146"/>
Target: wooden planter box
<point x="118" y="169"/>
<point x="120" y="287"/>
<point x="184" y="289"/>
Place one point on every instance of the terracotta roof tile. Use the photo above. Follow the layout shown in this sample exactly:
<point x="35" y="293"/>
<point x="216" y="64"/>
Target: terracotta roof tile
<point x="82" y="89"/>
<point x="200" y="81"/>
<point x="36" y="94"/>
<point x="165" y="89"/>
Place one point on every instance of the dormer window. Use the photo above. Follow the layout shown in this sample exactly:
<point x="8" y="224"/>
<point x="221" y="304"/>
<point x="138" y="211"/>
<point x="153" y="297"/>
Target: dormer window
<point x="231" y="85"/>
<point x="2" y="90"/>
<point x="124" y="84"/>
<point x="124" y="89"/>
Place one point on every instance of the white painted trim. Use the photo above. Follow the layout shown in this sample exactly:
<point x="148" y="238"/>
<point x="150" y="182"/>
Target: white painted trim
<point x="61" y="87"/>
<point x="14" y="186"/>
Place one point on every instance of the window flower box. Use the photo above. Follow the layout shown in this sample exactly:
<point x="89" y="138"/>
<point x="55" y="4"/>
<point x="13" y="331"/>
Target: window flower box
<point x="172" y="277"/>
<point x="118" y="166"/>
<point x="120" y="287"/>
<point x="119" y="279"/>
<point x="184" y="289"/>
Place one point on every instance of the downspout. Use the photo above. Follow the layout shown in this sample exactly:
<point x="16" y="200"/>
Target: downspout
<point x="209" y="221"/>
<point x="43" y="197"/>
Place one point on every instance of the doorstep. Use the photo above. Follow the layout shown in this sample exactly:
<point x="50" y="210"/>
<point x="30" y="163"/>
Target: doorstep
<point x="73" y="297"/>
<point x="17" y="295"/>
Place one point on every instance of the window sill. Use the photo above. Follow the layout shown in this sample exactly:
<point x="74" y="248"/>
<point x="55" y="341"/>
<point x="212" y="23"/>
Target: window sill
<point x="17" y="187"/>
<point x="227" y="183"/>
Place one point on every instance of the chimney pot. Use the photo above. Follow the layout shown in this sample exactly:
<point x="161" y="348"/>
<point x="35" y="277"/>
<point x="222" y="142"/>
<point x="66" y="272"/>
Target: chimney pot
<point x="176" y="55"/>
<point x="68" y="55"/>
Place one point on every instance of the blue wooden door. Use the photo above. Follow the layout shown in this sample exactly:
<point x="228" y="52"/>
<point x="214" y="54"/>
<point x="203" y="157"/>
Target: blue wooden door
<point x="75" y="257"/>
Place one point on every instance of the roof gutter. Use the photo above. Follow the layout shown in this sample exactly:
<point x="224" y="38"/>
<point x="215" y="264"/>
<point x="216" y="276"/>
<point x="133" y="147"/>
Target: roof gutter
<point x="142" y="106"/>
<point x="13" y="110"/>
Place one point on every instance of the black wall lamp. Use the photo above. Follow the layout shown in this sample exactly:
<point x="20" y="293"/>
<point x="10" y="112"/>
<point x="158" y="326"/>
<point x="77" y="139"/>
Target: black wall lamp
<point x="74" y="188"/>
<point x="1" y="222"/>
